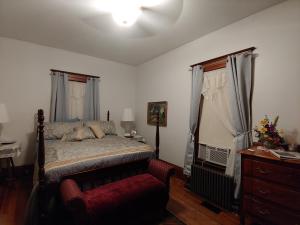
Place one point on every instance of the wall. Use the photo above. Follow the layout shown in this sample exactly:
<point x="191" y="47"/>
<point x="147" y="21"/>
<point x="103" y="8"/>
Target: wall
<point x="276" y="34"/>
<point x="25" y="86"/>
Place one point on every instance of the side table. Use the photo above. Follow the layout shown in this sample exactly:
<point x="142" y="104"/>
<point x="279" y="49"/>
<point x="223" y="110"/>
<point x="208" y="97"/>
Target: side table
<point x="138" y="138"/>
<point x="9" y="151"/>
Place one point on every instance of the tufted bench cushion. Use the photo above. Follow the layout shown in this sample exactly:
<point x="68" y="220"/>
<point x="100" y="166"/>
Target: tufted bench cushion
<point x="123" y="200"/>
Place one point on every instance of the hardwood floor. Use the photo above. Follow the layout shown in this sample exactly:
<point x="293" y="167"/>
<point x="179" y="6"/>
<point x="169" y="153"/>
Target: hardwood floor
<point x="185" y="205"/>
<point x="13" y="198"/>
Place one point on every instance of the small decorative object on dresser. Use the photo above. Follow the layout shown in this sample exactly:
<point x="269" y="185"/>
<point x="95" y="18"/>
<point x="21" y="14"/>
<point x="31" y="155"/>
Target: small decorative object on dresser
<point x="270" y="188"/>
<point x="267" y="133"/>
<point x="160" y="108"/>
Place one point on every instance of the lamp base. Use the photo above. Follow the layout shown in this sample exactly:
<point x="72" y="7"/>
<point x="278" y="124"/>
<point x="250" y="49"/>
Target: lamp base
<point x="128" y="127"/>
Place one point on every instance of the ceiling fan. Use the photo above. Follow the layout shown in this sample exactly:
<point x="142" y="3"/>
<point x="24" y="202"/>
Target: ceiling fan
<point x="141" y="18"/>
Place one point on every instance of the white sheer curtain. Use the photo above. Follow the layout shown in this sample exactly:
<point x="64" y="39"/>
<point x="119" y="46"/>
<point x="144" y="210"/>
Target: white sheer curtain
<point x="215" y="126"/>
<point x="76" y="101"/>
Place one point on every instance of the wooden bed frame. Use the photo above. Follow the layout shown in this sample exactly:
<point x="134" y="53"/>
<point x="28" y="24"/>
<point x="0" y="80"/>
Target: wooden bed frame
<point x="44" y="189"/>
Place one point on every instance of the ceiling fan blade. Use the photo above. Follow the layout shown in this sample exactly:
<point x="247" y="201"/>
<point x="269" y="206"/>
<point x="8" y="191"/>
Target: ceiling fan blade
<point x="163" y="15"/>
<point x="101" y="22"/>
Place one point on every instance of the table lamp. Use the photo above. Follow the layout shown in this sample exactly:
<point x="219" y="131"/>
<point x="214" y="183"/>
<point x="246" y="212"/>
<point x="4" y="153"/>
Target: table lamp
<point x="127" y="121"/>
<point x="3" y="119"/>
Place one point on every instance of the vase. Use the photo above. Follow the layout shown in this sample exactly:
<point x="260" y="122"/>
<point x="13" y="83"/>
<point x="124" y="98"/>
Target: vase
<point x="269" y="145"/>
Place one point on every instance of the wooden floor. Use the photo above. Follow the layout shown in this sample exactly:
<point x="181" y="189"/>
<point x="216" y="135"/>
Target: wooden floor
<point x="185" y="205"/>
<point x="13" y="198"/>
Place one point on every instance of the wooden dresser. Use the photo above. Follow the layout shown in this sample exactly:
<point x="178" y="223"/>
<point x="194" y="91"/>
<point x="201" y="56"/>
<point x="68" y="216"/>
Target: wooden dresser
<point x="270" y="188"/>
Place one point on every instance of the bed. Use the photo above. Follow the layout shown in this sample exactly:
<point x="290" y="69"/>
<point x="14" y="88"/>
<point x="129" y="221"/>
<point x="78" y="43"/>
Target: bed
<point x="57" y="160"/>
<point x="65" y="158"/>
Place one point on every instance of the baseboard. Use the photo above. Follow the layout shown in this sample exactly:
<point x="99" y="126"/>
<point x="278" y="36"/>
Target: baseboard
<point x="20" y="171"/>
<point x="178" y="171"/>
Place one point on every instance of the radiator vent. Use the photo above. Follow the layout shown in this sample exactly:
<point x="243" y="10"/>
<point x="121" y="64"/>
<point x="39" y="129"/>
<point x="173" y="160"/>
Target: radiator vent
<point x="212" y="185"/>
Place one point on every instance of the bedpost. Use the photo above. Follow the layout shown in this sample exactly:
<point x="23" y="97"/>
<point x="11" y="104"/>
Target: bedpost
<point x="41" y="147"/>
<point x="157" y="136"/>
<point x="107" y="115"/>
<point x="41" y="164"/>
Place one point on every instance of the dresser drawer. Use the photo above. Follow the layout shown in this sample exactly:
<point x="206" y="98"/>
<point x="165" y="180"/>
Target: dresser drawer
<point x="272" y="172"/>
<point x="268" y="212"/>
<point x="276" y="193"/>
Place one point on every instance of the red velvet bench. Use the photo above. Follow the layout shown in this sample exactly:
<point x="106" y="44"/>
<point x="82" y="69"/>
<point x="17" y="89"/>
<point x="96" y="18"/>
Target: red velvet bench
<point x="123" y="201"/>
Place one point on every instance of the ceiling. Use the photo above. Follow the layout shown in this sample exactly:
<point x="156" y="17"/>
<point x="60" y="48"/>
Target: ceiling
<point x="79" y="26"/>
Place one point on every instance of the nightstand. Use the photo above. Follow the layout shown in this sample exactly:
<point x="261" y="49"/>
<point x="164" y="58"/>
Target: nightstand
<point x="9" y="151"/>
<point x="138" y="138"/>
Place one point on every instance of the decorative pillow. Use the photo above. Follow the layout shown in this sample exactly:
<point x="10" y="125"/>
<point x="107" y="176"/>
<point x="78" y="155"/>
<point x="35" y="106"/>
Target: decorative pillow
<point x="97" y="130"/>
<point x="108" y="127"/>
<point x="84" y="133"/>
<point x="79" y="134"/>
<point x="57" y="130"/>
<point x="71" y="136"/>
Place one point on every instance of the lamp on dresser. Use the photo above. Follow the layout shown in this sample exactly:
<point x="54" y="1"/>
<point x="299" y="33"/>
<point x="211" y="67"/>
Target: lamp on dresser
<point x="3" y="119"/>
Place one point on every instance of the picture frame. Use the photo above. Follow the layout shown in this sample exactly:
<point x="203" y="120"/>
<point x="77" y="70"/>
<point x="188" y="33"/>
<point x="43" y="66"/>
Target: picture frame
<point x="153" y="109"/>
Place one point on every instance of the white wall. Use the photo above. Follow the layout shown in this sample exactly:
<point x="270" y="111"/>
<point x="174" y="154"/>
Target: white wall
<point x="276" y="34"/>
<point x="25" y="86"/>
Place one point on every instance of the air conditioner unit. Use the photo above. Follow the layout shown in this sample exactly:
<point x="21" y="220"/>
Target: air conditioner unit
<point x="214" y="155"/>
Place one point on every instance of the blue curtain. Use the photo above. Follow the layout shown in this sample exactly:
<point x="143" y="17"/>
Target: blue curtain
<point x="59" y="97"/>
<point x="91" y="110"/>
<point x="197" y="82"/>
<point x="239" y="69"/>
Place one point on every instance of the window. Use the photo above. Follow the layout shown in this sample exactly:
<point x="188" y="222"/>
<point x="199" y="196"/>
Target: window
<point x="212" y="130"/>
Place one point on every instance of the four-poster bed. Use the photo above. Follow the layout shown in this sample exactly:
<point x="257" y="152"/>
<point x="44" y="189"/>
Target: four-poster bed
<point x="48" y="185"/>
<point x="90" y="162"/>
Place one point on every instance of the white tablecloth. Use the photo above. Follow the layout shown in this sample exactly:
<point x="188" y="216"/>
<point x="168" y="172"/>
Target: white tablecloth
<point x="10" y="150"/>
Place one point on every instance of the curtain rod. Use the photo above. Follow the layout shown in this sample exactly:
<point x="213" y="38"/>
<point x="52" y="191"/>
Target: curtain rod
<point x="72" y="73"/>
<point x="223" y="56"/>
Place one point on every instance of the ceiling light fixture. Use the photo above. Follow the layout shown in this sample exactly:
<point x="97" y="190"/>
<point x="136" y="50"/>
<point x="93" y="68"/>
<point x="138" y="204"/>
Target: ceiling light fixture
<point x="126" y="13"/>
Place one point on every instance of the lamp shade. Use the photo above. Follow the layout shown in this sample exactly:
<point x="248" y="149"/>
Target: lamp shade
<point x="128" y="115"/>
<point x="3" y="114"/>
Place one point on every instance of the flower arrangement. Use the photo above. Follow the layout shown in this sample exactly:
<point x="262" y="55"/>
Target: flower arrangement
<point x="267" y="133"/>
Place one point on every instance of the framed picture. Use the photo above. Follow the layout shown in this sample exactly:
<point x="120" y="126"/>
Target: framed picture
<point x="153" y="109"/>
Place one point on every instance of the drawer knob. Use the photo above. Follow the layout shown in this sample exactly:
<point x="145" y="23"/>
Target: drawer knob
<point x="263" y="192"/>
<point x="256" y="201"/>
<point x="263" y="212"/>
<point x="263" y="171"/>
